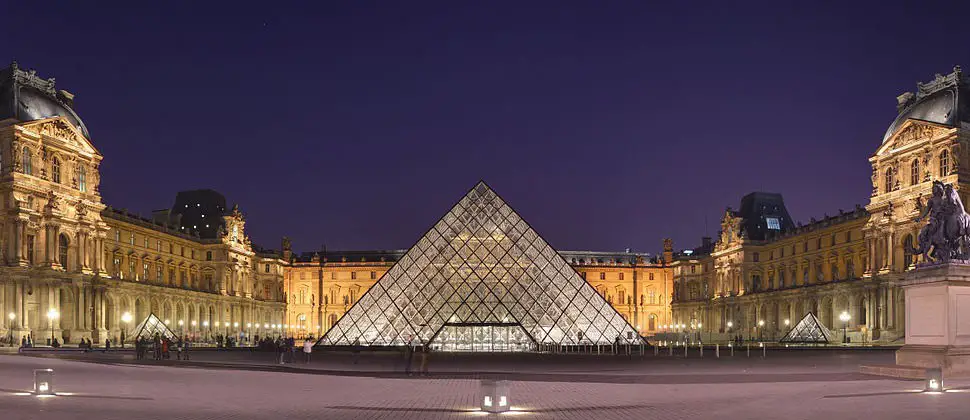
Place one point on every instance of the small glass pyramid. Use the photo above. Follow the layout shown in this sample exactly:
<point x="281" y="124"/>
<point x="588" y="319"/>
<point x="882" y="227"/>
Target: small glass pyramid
<point x="481" y="280"/>
<point x="152" y="325"/>
<point x="808" y="330"/>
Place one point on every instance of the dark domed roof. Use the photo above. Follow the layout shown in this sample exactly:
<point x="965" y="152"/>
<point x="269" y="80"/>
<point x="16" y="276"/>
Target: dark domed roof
<point x="26" y="97"/>
<point x="945" y="100"/>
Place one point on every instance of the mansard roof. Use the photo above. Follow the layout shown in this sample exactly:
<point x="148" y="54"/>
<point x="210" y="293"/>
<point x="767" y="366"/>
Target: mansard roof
<point x="26" y="97"/>
<point x="944" y="100"/>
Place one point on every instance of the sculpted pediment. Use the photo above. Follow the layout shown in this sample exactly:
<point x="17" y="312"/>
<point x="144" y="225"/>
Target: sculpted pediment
<point x="60" y="128"/>
<point x="911" y="132"/>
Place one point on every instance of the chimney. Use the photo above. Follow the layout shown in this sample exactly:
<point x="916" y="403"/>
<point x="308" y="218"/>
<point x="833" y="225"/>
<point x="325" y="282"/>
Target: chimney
<point x="668" y="250"/>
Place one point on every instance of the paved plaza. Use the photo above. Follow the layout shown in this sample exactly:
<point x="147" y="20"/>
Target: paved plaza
<point x="244" y="385"/>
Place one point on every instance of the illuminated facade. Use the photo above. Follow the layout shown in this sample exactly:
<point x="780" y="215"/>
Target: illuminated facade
<point x="72" y="267"/>
<point x="762" y="276"/>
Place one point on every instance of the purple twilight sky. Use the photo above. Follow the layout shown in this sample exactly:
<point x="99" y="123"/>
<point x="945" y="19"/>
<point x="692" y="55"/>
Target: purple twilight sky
<point x="606" y="124"/>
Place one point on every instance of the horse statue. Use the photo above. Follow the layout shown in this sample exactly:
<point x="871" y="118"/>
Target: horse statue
<point x="946" y="235"/>
<point x="956" y="227"/>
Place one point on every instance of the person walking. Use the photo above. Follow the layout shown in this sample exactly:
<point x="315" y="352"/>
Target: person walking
<point x="280" y="349"/>
<point x="425" y="353"/>
<point x="307" y="349"/>
<point x="107" y="345"/>
<point x="185" y="350"/>
<point x="408" y="354"/>
<point x="178" y="349"/>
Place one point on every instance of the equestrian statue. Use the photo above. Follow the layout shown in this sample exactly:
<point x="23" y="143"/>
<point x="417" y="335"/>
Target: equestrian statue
<point x="946" y="235"/>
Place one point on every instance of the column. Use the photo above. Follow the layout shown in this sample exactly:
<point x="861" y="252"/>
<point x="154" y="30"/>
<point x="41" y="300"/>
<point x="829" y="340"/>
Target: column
<point x="889" y="250"/>
<point x="891" y="307"/>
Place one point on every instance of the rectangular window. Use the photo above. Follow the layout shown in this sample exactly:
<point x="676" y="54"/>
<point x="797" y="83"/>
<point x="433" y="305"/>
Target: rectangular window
<point x="82" y="184"/>
<point x="118" y="236"/>
<point x="303" y="275"/>
<point x="773" y="223"/>
<point x="116" y="267"/>
<point x="145" y="271"/>
<point x="755" y="257"/>
<point x="267" y="268"/>
<point x="158" y="273"/>
<point x="602" y="276"/>
<point x="651" y="276"/>
<point x="818" y="245"/>
<point x="373" y="275"/>
<point x="693" y="269"/>
<point x="333" y="275"/>
<point x="30" y="249"/>
<point x="621" y="278"/>
<point x="131" y="268"/>
<point x="848" y="236"/>
<point x="208" y="255"/>
<point x="353" y="275"/>
<point x="131" y="239"/>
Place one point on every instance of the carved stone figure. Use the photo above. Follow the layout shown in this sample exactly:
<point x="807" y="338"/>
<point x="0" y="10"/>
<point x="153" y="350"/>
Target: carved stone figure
<point x="946" y="235"/>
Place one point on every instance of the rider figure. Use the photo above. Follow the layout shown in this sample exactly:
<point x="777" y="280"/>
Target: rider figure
<point x="935" y="209"/>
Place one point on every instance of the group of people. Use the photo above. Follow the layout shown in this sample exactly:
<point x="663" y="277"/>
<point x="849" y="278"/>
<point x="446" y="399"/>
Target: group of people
<point x="161" y="348"/>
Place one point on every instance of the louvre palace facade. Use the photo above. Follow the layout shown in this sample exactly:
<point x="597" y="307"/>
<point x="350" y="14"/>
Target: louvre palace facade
<point x="72" y="267"/>
<point x="764" y="273"/>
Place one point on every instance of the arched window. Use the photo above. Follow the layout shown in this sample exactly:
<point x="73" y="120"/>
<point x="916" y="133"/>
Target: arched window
<point x="652" y="325"/>
<point x="907" y="251"/>
<point x="944" y="163"/>
<point x="914" y="172"/>
<point x="862" y="311"/>
<point x="332" y="319"/>
<point x="82" y="182"/>
<point x="301" y="321"/>
<point x="56" y="170"/>
<point x="835" y="271"/>
<point x="62" y="244"/>
<point x="889" y="179"/>
<point x="28" y="168"/>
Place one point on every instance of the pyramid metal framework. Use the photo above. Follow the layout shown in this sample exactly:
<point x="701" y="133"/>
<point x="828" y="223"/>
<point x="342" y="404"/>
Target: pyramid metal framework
<point x="808" y="330"/>
<point x="152" y="325"/>
<point x="481" y="279"/>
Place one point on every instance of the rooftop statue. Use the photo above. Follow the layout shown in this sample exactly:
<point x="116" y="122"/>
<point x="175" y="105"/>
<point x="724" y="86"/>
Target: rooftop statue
<point x="946" y="235"/>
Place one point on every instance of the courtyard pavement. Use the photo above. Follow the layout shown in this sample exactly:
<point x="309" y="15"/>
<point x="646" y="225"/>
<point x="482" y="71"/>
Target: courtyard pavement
<point x="244" y="385"/>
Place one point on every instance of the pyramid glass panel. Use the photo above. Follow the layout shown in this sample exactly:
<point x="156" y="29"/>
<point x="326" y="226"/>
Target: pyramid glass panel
<point x="481" y="279"/>
<point x="808" y="330"/>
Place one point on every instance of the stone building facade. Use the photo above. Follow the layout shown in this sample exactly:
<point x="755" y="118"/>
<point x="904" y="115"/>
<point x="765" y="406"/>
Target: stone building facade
<point x="762" y="276"/>
<point x="72" y="267"/>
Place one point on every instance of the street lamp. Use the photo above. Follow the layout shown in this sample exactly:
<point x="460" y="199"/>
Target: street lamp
<point x="52" y="314"/>
<point x="126" y="318"/>
<point x="11" y="316"/>
<point x="206" y="325"/>
<point x="249" y="326"/>
<point x="844" y="317"/>
<point x="761" y="324"/>
<point x="181" y="329"/>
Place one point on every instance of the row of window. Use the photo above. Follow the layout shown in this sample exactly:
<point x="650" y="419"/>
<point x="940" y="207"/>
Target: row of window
<point x="915" y="177"/>
<point x="818" y="245"/>
<point x="333" y="274"/>
<point x="80" y="172"/>
<point x="158" y="246"/>
<point x="603" y="275"/>
<point x="650" y="298"/>
<point x="63" y="244"/>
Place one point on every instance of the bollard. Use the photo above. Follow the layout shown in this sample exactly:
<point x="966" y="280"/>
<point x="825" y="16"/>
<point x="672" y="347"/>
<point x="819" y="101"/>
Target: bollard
<point x="685" y="349"/>
<point x="764" y="350"/>
<point x="717" y="351"/>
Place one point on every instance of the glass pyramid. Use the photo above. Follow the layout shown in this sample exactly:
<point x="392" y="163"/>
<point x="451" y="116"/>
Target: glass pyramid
<point x="152" y="325"/>
<point x="808" y="330"/>
<point x="481" y="280"/>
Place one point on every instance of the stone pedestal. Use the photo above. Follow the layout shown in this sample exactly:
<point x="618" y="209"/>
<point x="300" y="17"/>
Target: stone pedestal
<point x="937" y="318"/>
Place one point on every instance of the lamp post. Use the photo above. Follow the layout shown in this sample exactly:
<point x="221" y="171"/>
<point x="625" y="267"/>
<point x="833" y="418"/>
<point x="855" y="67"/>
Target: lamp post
<point x="844" y="317"/>
<point x="12" y="316"/>
<point x="52" y="314"/>
<point x="249" y="330"/>
<point x="730" y="325"/>
<point x="787" y="322"/>
<point x="195" y="333"/>
<point x="125" y="318"/>
<point x="205" y="324"/>
<point x="761" y="324"/>
<point x="181" y="329"/>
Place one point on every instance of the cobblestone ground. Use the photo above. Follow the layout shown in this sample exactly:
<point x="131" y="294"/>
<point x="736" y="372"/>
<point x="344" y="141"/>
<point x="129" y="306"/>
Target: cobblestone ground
<point x="111" y="390"/>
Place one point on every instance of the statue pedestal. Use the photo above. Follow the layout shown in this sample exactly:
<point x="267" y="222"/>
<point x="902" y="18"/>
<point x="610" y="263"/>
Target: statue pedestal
<point x="937" y="318"/>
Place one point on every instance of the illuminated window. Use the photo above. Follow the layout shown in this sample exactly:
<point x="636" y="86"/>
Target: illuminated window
<point x="267" y="268"/>
<point x="208" y="255"/>
<point x="889" y="180"/>
<point x="82" y="184"/>
<point x="914" y="172"/>
<point x="621" y="278"/>
<point x="944" y="163"/>
<point x="28" y="167"/>
<point x="62" y="245"/>
<point x="56" y="170"/>
<point x="773" y="223"/>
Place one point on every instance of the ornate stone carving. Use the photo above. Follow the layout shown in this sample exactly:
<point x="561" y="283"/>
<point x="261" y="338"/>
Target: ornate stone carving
<point x="914" y="133"/>
<point x="51" y="205"/>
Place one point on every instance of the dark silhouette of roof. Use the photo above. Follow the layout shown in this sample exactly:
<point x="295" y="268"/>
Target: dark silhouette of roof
<point x="25" y="97"/>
